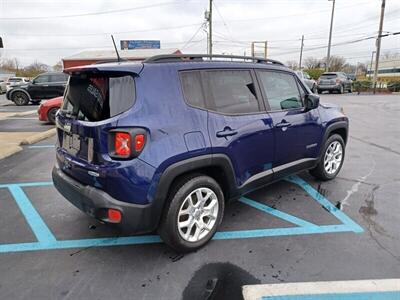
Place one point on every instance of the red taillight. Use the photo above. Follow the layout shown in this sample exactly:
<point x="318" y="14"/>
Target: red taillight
<point x="114" y="216"/>
<point x="122" y="144"/>
<point x="139" y="142"/>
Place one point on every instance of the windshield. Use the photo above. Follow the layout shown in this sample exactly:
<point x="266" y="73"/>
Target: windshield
<point x="96" y="97"/>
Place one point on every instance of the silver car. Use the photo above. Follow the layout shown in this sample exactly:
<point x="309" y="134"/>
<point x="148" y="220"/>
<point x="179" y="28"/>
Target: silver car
<point x="311" y="83"/>
<point x="3" y="86"/>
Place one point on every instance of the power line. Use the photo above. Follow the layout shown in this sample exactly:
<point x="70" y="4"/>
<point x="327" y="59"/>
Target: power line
<point x="87" y="14"/>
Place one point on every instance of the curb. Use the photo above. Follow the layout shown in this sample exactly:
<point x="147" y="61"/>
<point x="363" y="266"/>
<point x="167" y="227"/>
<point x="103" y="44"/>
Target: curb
<point x="38" y="137"/>
<point x="10" y="151"/>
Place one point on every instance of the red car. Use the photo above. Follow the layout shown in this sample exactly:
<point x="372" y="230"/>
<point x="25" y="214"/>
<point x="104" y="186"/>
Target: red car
<point x="48" y="109"/>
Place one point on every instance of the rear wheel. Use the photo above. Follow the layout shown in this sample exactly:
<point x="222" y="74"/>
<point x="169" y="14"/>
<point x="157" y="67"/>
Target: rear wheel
<point x="331" y="160"/>
<point x="194" y="211"/>
<point x="51" y="115"/>
<point x="20" y="98"/>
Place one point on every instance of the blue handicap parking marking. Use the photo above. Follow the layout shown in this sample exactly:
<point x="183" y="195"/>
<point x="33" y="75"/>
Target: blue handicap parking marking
<point x="47" y="241"/>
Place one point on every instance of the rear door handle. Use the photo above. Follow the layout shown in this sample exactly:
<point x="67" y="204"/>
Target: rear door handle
<point x="226" y="132"/>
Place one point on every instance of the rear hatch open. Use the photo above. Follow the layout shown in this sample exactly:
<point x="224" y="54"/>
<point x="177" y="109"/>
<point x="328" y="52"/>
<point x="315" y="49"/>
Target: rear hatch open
<point x="93" y="101"/>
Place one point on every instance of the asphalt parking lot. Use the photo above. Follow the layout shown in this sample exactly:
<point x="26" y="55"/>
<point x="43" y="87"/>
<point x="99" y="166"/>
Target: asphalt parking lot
<point x="296" y="230"/>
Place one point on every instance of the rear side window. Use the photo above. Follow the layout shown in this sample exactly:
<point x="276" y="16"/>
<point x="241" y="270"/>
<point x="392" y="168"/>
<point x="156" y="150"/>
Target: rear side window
<point x="281" y="90"/>
<point x="42" y="79"/>
<point x="98" y="97"/>
<point x="191" y="86"/>
<point x="231" y="92"/>
<point x="59" y="78"/>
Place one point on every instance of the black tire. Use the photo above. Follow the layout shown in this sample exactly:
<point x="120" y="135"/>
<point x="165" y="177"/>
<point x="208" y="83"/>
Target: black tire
<point x="319" y="91"/>
<point x="351" y="89"/>
<point x="314" y="89"/>
<point x="319" y="171"/>
<point x="51" y="115"/>
<point x="168" y="228"/>
<point x="20" y="98"/>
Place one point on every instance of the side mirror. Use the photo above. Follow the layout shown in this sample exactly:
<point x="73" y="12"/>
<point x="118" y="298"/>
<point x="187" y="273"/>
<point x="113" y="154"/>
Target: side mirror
<point x="311" y="101"/>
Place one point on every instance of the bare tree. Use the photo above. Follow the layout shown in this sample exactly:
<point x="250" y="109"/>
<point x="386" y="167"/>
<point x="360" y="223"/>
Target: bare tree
<point x="312" y="63"/>
<point x="58" y="66"/>
<point x="34" y="69"/>
<point x="336" y="63"/>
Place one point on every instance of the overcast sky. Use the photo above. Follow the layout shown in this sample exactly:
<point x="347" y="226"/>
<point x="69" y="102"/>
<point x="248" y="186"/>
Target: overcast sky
<point x="44" y="30"/>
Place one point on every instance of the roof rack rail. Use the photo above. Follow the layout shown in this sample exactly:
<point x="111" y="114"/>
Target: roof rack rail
<point x="164" y="58"/>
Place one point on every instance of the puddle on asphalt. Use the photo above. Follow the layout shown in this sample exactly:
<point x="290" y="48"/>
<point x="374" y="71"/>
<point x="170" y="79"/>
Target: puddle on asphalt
<point x="218" y="281"/>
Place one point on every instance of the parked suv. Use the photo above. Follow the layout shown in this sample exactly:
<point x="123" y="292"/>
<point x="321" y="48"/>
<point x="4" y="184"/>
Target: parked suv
<point x="334" y="81"/>
<point x="164" y="144"/>
<point x="44" y="86"/>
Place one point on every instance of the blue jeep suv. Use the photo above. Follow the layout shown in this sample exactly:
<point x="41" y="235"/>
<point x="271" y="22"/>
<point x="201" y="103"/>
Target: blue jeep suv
<point x="165" y="143"/>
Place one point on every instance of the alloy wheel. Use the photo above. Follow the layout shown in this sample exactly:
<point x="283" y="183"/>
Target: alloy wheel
<point x="198" y="214"/>
<point x="333" y="157"/>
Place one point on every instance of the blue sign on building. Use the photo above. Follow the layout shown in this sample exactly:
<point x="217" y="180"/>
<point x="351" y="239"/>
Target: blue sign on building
<point x="140" y="44"/>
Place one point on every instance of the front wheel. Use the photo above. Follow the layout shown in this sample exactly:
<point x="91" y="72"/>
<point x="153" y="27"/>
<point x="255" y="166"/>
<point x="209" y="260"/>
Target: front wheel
<point x="194" y="211"/>
<point x="20" y="98"/>
<point x="331" y="160"/>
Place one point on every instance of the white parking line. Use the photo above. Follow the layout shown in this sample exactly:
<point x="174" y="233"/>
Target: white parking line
<point x="305" y="290"/>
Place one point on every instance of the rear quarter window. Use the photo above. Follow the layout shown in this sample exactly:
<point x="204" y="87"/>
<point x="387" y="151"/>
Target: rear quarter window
<point x="98" y="97"/>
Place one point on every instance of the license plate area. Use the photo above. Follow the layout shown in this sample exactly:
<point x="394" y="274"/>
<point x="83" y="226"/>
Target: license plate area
<point x="71" y="143"/>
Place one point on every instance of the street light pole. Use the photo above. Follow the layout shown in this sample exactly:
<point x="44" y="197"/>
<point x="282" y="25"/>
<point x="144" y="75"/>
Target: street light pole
<point x="328" y="56"/>
<point x="210" y="29"/>
<point x="301" y="51"/>
<point x="372" y="59"/>
<point x="378" y="44"/>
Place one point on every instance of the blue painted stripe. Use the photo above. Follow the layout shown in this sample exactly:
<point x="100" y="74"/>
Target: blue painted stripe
<point x="40" y="146"/>
<point x="353" y="226"/>
<point x="390" y="295"/>
<point x="255" y="233"/>
<point x="27" y="184"/>
<point x="276" y="213"/>
<point x="35" y="221"/>
<point x="85" y="243"/>
<point x="155" y="239"/>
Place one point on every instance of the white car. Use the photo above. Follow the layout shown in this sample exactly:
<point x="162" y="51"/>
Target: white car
<point x="311" y="83"/>
<point x="3" y="86"/>
<point x="16" y="81"/>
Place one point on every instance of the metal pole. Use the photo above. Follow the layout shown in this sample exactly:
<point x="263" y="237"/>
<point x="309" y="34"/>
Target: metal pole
<point x="328" y="56"/>
<point x="301" y="51"/>
<point x="252" y="49"/>
<point x="370" y="69"/>
<point x="378" y="44"/>
<point x="266" y="49"/>
<point x="210" y="29"/>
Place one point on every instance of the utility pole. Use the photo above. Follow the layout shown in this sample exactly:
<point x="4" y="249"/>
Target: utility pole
<point x="210" y="28"/>
<point x="301" y="51"/>
<point x="378" y="44"/>
<point x="328" y="56"/>
<point x="372" y="59"/>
